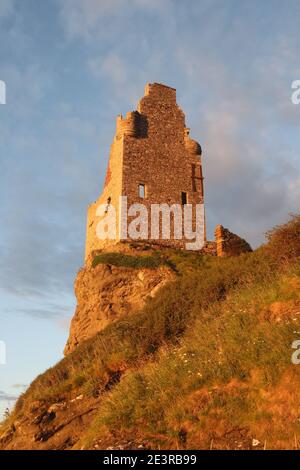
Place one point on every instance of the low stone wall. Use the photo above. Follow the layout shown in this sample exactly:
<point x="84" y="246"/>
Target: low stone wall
<point x="210" y="248"/>
<point x="230" y="244"/>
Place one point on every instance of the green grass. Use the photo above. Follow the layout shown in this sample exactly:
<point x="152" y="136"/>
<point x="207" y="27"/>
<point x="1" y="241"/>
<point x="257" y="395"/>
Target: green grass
<point x="167" y="370"/>
<point x="224" y="343"/>
<point x="128" y="261"/>
<point x="178" y="260"/>
<point x="162" y="321"/>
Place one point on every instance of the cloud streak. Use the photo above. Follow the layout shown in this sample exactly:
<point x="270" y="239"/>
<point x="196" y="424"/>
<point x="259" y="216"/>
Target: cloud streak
<point x="6" y="8"/>
<point x="7" y="397"/>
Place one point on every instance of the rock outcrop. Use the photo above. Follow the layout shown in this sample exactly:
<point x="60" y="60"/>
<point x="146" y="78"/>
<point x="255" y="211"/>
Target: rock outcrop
<point x="50" y="427"/>
<point x="106" y="293"/>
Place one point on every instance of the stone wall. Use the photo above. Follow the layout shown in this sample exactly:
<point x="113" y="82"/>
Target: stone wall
<point x="151" y="147"/>
<point x="230" y="244"/>
<point x="164" y="159"/>
<point x="112" y="189"/>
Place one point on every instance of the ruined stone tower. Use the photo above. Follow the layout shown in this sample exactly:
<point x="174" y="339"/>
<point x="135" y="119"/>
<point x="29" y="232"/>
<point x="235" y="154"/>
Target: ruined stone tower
<point x="152" y="161"/>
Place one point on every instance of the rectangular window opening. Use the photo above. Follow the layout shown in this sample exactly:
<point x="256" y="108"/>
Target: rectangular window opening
<point x="142" y="191"/>
<point x="183" y="198"/>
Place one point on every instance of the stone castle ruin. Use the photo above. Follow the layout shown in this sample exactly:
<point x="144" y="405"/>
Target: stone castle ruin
<point x="154" y="161"/>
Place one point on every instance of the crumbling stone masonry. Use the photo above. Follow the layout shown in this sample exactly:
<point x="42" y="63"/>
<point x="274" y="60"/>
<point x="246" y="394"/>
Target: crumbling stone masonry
<point x="152" y="161"/>
<point x="229" y="244"/>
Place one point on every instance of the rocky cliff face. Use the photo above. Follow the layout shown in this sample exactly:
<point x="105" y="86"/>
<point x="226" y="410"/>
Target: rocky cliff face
<point x="106" y="293"/>
<point x="50" y="427"/>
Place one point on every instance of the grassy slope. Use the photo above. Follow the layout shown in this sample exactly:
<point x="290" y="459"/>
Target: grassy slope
<point x="207" y="363"/>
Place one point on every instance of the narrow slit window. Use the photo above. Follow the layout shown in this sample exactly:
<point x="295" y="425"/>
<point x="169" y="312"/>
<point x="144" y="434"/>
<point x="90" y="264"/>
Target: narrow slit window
<point x="183" y="198"/>
<point x="107" y="205"/>
<point x="142" y="191"/>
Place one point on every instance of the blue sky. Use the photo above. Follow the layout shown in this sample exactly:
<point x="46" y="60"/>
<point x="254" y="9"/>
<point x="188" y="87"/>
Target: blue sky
<point x="70" y="67"/>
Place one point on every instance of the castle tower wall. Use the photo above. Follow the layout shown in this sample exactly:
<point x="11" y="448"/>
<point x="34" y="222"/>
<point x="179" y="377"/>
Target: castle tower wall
<point x="165" y="160"/>
<point x="152" y="148"/>
<point x="110" y="195"/>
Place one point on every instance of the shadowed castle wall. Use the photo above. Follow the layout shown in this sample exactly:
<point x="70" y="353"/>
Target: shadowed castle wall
<point x="112" y="189"/>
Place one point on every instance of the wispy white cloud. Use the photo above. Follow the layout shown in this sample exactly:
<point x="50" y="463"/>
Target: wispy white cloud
<point x="80" y="18"/>
<point x="84" y="18"/>
<point x="6" y="8"/>
<point x="246" y="131"/>
<point x="7" y="397"/>
<point x="111" y="66"/>
<point x="22" y="386"/>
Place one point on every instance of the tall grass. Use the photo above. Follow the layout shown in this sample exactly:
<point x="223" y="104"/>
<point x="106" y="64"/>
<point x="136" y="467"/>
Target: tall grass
<point x="163" y="320"/>
<point x="225" y="342"/>
<point x="204" y="329"/>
